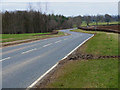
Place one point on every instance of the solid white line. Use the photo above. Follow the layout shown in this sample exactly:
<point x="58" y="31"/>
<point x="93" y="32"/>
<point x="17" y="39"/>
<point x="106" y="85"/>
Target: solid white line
<point x="77" y="47"/>
<point x="34" y="83"/>
<point x="29" y="51"/>
<point x="58" y="41"/>
<point x="5" y="59"/>
<point x="42" y="76"/>
<point x="47" y="45"/>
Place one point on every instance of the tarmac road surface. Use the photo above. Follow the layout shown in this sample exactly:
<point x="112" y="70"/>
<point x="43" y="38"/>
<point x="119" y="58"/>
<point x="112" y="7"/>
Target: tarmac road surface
<point x="23" y="64"/>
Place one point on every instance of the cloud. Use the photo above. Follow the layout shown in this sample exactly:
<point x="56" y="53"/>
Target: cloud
<point x="60" y="0"/>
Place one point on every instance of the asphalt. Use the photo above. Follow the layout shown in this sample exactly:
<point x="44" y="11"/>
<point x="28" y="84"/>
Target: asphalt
<point x="25" y="63"/>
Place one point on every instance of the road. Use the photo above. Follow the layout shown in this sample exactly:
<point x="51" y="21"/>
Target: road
<point x="23" y="64"/>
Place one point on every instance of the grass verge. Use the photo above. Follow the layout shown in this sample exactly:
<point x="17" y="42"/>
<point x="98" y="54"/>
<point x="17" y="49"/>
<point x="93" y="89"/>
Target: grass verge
<point x="15" y="37"/>
<point x="101" y="44"/>
<point x="96" y="73"/>
<point x="87" y="74"/>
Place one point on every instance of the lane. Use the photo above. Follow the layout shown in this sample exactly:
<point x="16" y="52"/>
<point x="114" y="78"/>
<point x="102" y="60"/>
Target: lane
<point x="10" y="51"/>
<point x="22" y="70"/>
<point x="38" y="48"/>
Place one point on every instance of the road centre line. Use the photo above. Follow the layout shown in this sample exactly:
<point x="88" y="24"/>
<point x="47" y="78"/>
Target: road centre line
<point x="5" y="59"/>
<point x="58" y="41"/>
<point x="47" y="45"/>
<point x="66" y="39"/>
<point x="29" y="51"/>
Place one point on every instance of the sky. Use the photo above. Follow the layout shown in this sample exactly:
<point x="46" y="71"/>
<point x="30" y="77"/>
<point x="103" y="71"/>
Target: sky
<point x="64" y="7"/>
<point x="60" y="0"/>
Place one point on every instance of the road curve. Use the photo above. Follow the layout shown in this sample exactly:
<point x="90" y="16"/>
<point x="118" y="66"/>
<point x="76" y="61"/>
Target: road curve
<point x="23" y="64"/>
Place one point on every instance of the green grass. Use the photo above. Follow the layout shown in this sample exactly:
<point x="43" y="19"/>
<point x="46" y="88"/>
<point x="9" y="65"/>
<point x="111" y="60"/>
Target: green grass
<point x="101" y="44"/>
<point x="82" y="31"/>
<point x="99" y="23"/>
<point x="7" y="36"/>
<point x="87" y="74"/>
<point x="97" y="73"/>
<point x="15" y="37"/>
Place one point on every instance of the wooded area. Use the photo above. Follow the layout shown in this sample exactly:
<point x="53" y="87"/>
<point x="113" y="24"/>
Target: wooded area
<point x="17" y="22"/>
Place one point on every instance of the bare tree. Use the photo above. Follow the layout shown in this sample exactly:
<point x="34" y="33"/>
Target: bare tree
<point x="39" y="6"/>
<point x="30" y="7"/>
<point x="107" y="18"/>
<point x="87" y="19"/>
<point x="46" y="7"/>
<point x="78" y="21"/>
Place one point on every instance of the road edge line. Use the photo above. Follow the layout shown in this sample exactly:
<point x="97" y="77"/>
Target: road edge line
<point x="77" y="47"/>
<point x="34" y="83"/>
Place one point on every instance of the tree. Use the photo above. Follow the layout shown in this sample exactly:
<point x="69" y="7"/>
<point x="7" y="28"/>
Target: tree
<point x="77" y="21"/>
<point x="107" y="18"/>
<point x="87" y="19"/>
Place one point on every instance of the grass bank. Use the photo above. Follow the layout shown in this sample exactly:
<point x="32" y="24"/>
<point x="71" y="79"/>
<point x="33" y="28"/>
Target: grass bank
<point x="101" y="44"/>
<point x="87" y="74"/>
<point x="15" y="37"/>
<point x="100" y="73"/>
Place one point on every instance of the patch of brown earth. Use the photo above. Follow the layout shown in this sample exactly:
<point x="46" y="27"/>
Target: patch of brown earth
<point x="112" y="27"/>
<point x="109" y="28"/>
<point x="80" y="56"/>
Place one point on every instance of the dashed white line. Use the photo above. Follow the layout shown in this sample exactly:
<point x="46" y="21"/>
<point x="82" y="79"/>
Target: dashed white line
<point x="66" y="39"/>
<point x="45" y="39"/>
<point x="58" y="41"/>
<point x="5" y="59"/>
<point x="47" y="45"/>
<point x="29" y="51"/>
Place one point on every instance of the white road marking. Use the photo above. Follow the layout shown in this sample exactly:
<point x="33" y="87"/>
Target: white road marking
<point x="41" y="77"/>
<point x="29" y="51"/>
<point x="47" y="45"/>
<point x="66" y="39"/>
<point x="34" y="83"/>
<point x="58" y="41"/>
<point x="5" y="59"/>
<point x="77" y="47"/>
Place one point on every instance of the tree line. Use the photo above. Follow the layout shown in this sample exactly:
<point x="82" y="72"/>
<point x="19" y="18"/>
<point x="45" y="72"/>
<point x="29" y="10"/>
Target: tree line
<point x="100" y="18"/>
<point x="17" y="22"/>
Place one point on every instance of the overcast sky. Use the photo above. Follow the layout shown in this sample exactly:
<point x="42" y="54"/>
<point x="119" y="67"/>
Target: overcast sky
<point x="60" y="0"/>
<point x="78" y="7"/>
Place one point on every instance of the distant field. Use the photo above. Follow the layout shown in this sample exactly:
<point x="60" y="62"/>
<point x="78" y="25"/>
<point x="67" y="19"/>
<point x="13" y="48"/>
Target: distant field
<point x="99" y="23"/>
<point x="95" y="73"/>
<point x="15" y="37"/>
